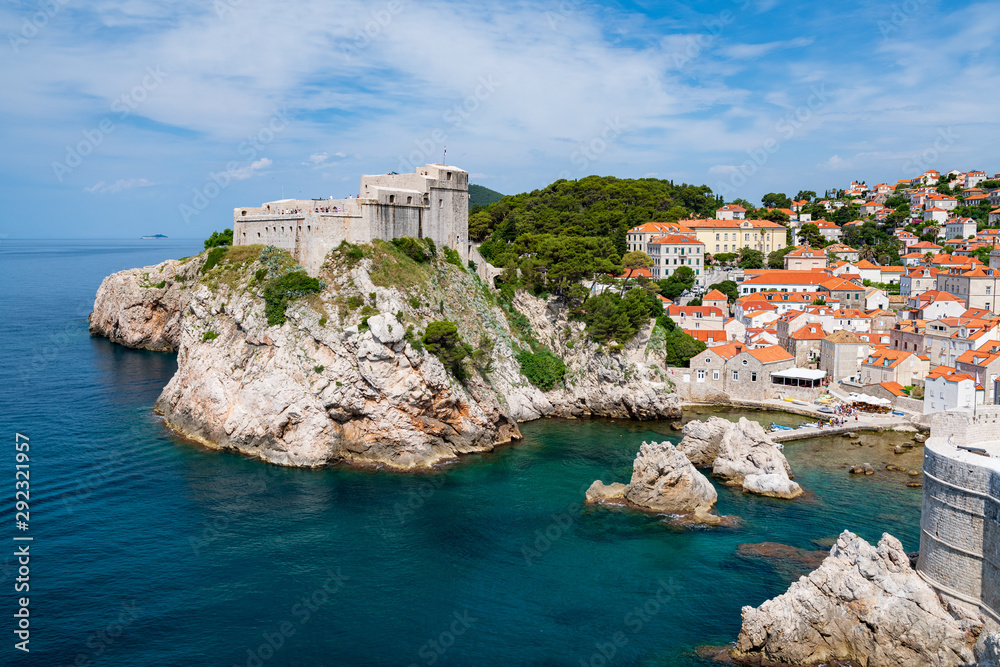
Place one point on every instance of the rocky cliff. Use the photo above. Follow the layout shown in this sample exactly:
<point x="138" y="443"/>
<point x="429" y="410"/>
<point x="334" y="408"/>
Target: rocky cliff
<point x="346" y="377"/>
<point x="865" y="604"/>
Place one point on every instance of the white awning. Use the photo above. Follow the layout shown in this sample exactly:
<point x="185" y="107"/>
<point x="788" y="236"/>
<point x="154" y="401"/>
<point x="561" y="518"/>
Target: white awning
<point x="800" y="374"/>
<point x="871" y="400"/>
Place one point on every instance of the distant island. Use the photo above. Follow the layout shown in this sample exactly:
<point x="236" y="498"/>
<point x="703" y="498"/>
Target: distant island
<point x="154" y="236"/>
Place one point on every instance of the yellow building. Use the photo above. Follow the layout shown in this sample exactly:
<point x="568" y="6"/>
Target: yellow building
<point x="722" y="236"/>
<point x="718" y="236"/>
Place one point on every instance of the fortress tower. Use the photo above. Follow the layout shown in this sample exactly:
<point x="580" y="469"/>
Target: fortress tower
<point x="432" y="202"/>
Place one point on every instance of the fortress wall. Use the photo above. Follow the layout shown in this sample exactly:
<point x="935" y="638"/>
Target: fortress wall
<point x="432" y="202"/>
<point x="960" y="515"/>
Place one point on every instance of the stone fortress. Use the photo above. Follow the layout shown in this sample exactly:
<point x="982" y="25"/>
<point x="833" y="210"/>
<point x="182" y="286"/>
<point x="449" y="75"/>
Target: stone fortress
<point x="432" y="202"/>
<point x="960" y="516"/>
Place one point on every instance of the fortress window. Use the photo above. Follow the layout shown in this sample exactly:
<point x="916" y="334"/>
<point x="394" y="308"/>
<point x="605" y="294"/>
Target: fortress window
<point x="449" y="175"/>
<point x="440" y="203"/>
<point x="309" y="228"/>
<point x="392" y="199"/>
<point x="258" y="234"/>
<point x="244" y="213"/>
<point x="409" y="200"/>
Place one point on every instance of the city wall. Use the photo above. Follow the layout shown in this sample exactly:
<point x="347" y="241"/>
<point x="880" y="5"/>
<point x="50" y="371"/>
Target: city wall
<point x="960" y="517"/>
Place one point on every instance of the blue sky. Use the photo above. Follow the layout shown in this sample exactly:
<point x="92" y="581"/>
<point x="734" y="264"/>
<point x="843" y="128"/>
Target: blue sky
<point x="130" y="117"/>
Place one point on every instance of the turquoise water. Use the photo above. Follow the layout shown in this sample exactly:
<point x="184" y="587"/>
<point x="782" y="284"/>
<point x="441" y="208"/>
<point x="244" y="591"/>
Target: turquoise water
<point x="151" y="551"/>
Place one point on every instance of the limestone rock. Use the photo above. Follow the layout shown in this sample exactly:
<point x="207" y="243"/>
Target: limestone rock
<point x="700" y="441"/>
<point x="862" y="469"/>
<point x="663" y="480"/>
<point x="987" y="649"/>
<point x="741" y="454"/>
<point x="599" y="492"/>
<point x="143" y="308"/>
<point x="306" y="394"/>
<point x="864" y="603"/>
<point x="386" y="328"/>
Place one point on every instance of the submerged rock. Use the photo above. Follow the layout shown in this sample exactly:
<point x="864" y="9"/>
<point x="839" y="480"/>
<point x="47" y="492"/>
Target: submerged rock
<point x="862" y="469"/>
<point x="741" y="454"/>
<point x="864" y="603"/>
<point x="663" y="480"/>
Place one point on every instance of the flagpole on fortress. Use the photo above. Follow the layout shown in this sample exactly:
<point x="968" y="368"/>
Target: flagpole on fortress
<point x="444" y="160"/>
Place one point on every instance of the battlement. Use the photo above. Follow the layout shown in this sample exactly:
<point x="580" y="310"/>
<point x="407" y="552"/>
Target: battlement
<point x="432" y="202"/>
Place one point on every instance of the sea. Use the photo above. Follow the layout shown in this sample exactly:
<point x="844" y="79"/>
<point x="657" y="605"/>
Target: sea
<point x="146" y="549"/>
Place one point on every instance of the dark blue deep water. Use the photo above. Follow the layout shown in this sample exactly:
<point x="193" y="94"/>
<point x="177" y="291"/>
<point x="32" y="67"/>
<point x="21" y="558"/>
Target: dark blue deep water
<point x="151" y="551"/>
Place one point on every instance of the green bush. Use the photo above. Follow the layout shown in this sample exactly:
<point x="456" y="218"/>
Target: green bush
<point x="472" y="265"/>
<point x="441" y="339"/>
<point x="413" y="339"/>
<point x="319" y="369"/>
<point x="278" y="292"/>
<point x="452" y="257"/>
<point x="611" y="318"/>
<point x="161" y="284"/>
<point x="218" y="239"/>
<point x="415" y="249"/>
<point x="354" y="302"/>
<point x="322" y="321"/>
<point x="542" y="368"/>
<point x="414" y="302"/>
<point x="215" y="256"/>
<point x="209" y="335"/>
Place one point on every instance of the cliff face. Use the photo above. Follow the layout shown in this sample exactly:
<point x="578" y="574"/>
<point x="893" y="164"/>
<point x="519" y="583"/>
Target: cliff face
<point x="342" y="380"/>
<point x="143" y="308"/>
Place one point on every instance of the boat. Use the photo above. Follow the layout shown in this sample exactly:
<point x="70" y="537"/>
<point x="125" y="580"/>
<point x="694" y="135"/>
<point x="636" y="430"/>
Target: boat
<point x="779" y="427"/>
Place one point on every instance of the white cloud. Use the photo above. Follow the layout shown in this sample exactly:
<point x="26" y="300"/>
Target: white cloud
<point x="103" y="188"/>
<point x="723" y="169"/>
<point x="836" y="163"/>
<point x="243" y="173"/>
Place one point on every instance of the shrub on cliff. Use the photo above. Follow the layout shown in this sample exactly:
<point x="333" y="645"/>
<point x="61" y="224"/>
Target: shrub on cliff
<point x="542" y="368"/>
<point x="217" y="239"/>
<point x="281" y="290"/>
<point x="610" y="317"/>
<point x="416" y="249"/>
<point x="441" y="339"/>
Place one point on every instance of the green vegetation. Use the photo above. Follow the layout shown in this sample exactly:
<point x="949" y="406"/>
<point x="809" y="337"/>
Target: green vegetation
<point x="441" y="339"/>
<point x="751" y="259"/>
<point x="481" y="197"/>
<point x="678" y="346"/>
<point x="319" y="369"/>
<point x="679" y="282"/>
<point x="595" y="206"/>
<point x="875" y="243"/>
<point x="610" y="317"/>
<point x="727" y="287"/>
<point x="810" y="235"/>
<point x="452" y="257"/>
<point x="776" y="200"/>
<point x="322" y="321"/>
<point x="208" y="336"/>
<point x="214" y="256"/>
<point x="542" y="368"/>
<point x="416" y="249"/>
<point x="279" y="291"/>
<point x="776" y="259"/>
<point x="554" y="264"/>
<point x="218" y="239"/>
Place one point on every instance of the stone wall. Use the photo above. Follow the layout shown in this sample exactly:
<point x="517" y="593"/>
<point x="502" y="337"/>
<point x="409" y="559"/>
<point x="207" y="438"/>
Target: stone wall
<point x="431" y="203"/>
<point x="960" y="517"/>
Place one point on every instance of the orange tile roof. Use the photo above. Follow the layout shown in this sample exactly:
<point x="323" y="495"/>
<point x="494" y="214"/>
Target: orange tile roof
<point x="810" y="332"/>
<point x="707" y="335"/>
<point x="715" y="295"/>
<point x="806" y="251"/>
<point x="770" y="354"/>
<point x="893" y="388"/>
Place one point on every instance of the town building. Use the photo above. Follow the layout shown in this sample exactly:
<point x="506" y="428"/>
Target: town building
<point x="885" y="365"/>
<point x="841" y="354"/>
<point x="805" y="259"/>
<point x="673" y="251"/>
<point x="947" y="389"/>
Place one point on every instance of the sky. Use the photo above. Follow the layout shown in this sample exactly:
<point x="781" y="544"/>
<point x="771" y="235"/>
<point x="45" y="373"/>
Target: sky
<point x="129" y="117"/>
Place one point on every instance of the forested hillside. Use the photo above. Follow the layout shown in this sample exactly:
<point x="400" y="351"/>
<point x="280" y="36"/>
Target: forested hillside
<point x="601" y="206"/>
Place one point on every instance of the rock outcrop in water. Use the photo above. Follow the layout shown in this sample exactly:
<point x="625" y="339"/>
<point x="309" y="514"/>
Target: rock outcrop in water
<point x="741" y="454"/>
<point x="865" y="604"/>
<point x="663" y="480"/>
<point x="346" y="378"/>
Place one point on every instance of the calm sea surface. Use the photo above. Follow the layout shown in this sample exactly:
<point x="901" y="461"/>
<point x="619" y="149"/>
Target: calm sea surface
<point x="151" y="551"/>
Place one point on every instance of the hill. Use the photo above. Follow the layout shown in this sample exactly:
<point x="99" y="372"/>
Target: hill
<point x="602" y="206"/>
<point x="482" y="196"/>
